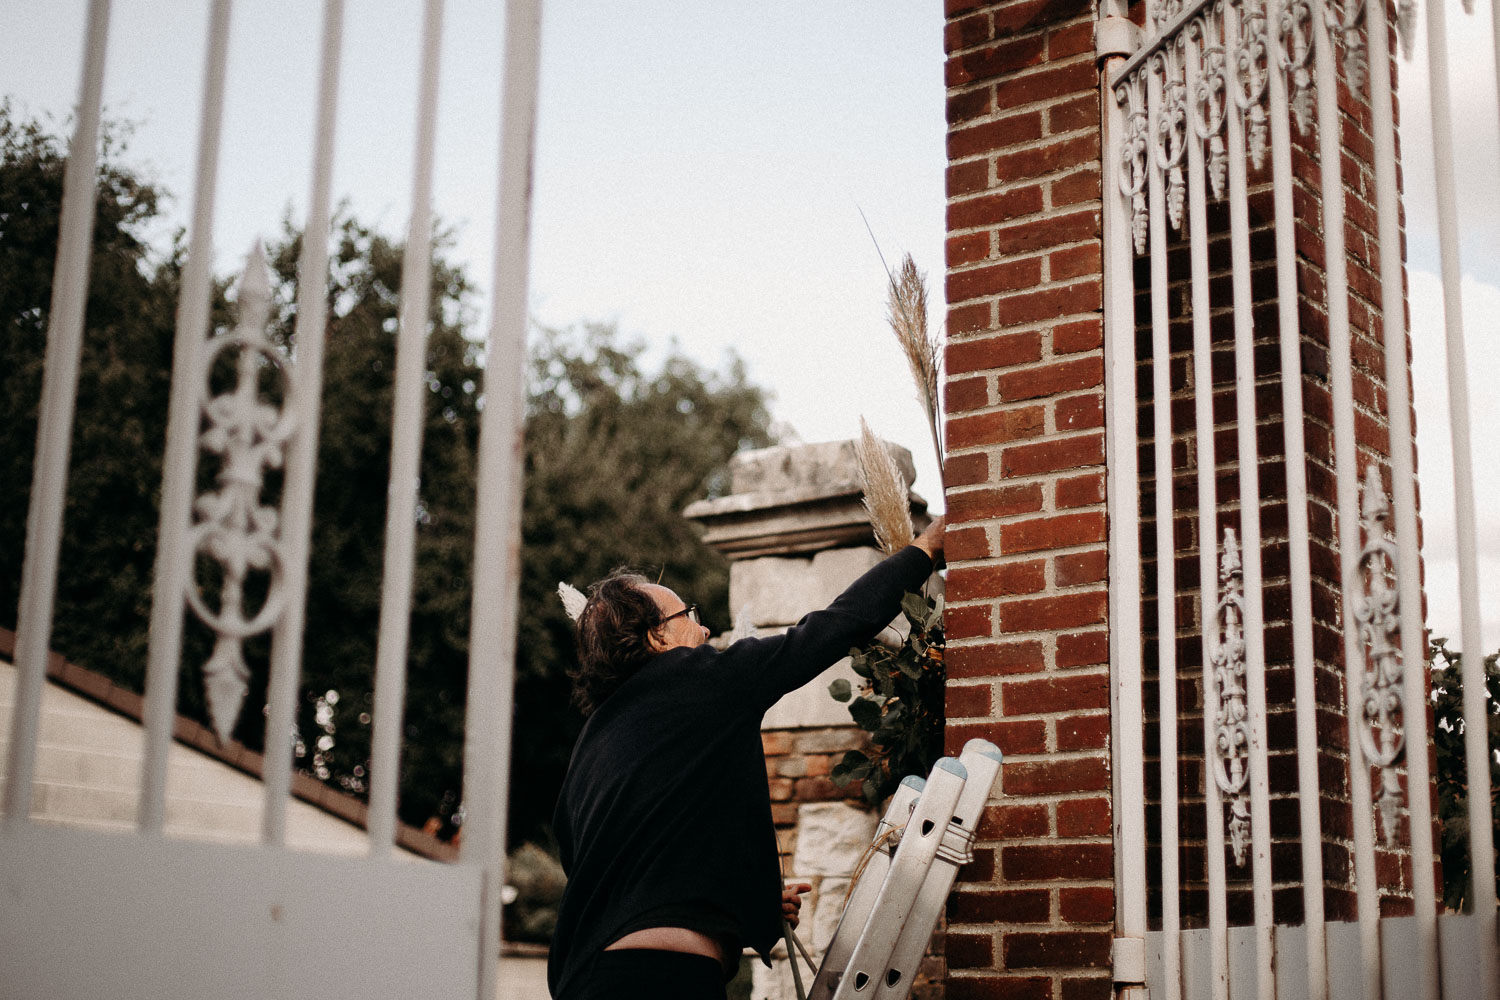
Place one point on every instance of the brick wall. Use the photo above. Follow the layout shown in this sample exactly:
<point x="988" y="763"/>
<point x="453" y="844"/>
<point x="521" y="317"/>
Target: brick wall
<point x="1028" y="667"/>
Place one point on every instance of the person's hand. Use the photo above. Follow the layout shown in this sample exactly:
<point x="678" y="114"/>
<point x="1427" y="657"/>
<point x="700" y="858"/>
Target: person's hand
<point x="791" y="901"/>
<point x="931" y="540"/>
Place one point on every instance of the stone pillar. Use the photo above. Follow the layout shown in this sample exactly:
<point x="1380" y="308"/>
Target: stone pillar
<point x="797" y="534"/>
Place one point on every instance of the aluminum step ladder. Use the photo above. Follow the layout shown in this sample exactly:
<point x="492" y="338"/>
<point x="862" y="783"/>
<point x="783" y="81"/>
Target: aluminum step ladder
<point x="925" y="836"/>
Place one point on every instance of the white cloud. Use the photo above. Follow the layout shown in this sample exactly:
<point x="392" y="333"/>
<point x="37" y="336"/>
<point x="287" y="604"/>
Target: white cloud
<point x="1481" y="307"/>
<point x="1476" y="142"/>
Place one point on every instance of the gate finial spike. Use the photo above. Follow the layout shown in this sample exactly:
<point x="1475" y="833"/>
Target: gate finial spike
<point x="255" y="292"/>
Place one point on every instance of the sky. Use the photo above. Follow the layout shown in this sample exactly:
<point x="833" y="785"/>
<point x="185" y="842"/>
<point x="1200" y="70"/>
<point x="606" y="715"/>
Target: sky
<point x="701" y="170"/>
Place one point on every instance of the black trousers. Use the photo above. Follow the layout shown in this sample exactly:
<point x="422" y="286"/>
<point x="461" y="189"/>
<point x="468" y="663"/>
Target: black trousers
<point x="648" y="974"/>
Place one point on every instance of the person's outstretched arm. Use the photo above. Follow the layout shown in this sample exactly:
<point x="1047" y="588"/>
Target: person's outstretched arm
<point x="772" y="666"/>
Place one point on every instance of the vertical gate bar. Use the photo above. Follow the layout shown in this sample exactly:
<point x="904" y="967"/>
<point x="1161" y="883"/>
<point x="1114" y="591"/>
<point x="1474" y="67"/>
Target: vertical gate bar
<point x="1346" y="463"/>
<point x="497" y="549"/>
<point x="1299" y="540"/>
<point x="1208" y="532"/>
<point x="1476" y="727"/>
<point x="54" y="436"/>
<point x="180" y="463"/>
<point x="302" y="449"/>
<point x="1247" y="460"/>
<point x="1126" y="708"/>
<point x="406" y="455"/>
<point x="1404" y="499"/>
<point x="1166" y="549"/>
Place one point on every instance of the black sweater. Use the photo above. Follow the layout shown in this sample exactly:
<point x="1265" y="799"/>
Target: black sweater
<point x="666" y="801"/>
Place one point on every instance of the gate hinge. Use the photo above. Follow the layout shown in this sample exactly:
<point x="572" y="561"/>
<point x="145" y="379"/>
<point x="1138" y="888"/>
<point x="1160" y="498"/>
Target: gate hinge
<point x="1129" y="956"/>
<point x="1115" y="36"/>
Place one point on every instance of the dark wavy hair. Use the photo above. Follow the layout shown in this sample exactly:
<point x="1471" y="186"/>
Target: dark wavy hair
<point x="614" y="637"/>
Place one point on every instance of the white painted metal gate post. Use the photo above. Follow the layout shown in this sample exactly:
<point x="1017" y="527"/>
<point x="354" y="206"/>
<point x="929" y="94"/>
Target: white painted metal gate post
<point x="302" y="449"/>
<point x="180" y="463"/>
<point x="406" y="454"/>
<point x="44" y="519"/>
<point x="1126" y="707"/>
<point x="497" y="549"/>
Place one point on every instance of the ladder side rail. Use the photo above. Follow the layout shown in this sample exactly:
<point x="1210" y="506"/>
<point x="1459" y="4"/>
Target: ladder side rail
<point x="981" y="759"/>
<point x="863" y="894"/>
<point x="919" y="845"/>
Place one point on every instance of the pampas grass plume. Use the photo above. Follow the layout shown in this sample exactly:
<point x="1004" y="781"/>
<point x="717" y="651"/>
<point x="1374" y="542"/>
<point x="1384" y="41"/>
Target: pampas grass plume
<point x="886" y="499"/>
<point x="572" y="599"/>
<point x="907" y="313"/>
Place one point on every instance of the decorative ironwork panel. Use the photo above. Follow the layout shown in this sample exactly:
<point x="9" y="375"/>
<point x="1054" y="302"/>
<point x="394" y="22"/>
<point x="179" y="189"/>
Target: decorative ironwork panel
<point x="234" y="530"/>
<point x="1134" y="157"/>
<point x="1231" y="749"/>
<point x="1252" y="76"/>
<point x="1379" y="621"/>
<point x="1170" y="135"/>
<point x="1294" y="52"/>
<point x="1210" y="94"/>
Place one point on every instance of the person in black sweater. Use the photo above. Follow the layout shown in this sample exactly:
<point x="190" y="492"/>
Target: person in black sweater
<point x="664" y="818"/>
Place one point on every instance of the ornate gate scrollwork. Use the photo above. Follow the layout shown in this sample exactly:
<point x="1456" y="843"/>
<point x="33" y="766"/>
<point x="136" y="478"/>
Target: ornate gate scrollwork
<point x="1379" y="620"/>
<point x="1231" y="749"/>
<point x="233" y="528"/>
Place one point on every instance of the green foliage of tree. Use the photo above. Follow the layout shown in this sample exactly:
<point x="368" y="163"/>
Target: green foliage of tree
<point x="110" y="520"/>
<point x="900" y="703"/>
<point x="1452" y="770"/>
<point x="614" y="451"/>
<point x="349" y="512"/>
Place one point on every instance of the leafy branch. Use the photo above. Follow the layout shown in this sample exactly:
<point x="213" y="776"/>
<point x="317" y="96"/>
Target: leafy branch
<point x="900" y="703"/>
<point x="1452" y="771"/>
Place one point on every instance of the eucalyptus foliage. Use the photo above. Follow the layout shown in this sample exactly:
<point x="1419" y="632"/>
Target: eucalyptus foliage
<point x="899" y="703"/>
<point x="1452" y="771"/>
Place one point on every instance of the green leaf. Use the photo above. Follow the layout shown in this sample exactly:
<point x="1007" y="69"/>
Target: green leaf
<point x="839" y="689"/>
<point x="865" y="712"/>
<point x="854" y="767"/>
<point x="915" y="607"/>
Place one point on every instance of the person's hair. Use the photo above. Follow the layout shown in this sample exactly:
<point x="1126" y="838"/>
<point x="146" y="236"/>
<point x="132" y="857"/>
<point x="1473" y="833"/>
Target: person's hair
<point x="614" y="637"/>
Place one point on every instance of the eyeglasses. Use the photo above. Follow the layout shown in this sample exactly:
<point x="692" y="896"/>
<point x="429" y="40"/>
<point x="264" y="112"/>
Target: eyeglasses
<point x="691" y="611"/>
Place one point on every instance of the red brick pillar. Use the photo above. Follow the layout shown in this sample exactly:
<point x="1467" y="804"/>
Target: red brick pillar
<point x="1032" y="917"/>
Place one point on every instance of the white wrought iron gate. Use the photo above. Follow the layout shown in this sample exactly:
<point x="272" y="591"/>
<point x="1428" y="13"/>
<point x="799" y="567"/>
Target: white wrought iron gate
<point x="91" y="915"/>
<point x="1217" y="115"/>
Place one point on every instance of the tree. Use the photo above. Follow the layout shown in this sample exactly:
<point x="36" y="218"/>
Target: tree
<point x="1452" y="771"/>
<point x="349" y="510"/>
<point x="613" y="453"/>
<point x="110" y="520"/>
